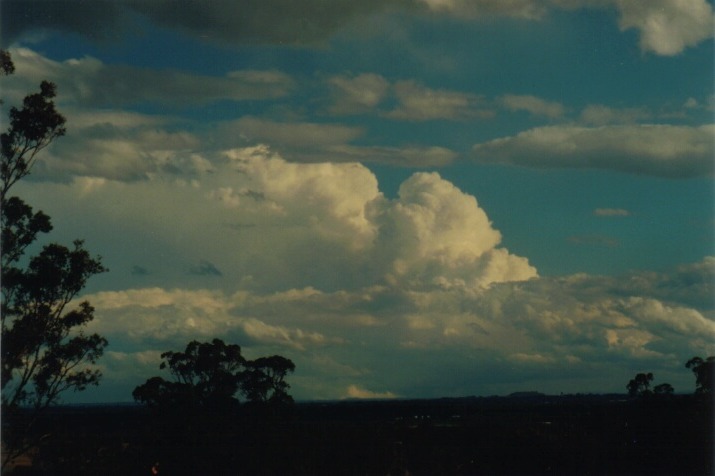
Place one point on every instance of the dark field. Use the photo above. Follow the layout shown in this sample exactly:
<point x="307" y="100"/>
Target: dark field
<point x="574" y="435"/>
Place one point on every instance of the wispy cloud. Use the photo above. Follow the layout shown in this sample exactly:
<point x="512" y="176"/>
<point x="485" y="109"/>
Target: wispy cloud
<point x="533" y="105"/>
<point x="611" y="212"/>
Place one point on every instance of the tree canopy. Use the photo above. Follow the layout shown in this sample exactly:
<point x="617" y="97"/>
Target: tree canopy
<point x="211" y="375"/>
<point x="45" y="351"/>
<point x="640" y="384"/>
<point x="704" y="370"/>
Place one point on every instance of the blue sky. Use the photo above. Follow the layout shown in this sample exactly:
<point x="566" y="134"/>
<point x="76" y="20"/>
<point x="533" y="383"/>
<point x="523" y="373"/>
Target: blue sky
<point x="409" y="198"/>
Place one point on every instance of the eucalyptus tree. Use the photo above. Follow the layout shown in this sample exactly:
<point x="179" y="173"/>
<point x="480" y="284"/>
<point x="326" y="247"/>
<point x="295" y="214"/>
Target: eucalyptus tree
<point x="45" y="350"/>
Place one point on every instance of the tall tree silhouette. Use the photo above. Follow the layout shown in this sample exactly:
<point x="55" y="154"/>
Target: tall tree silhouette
<point x="45" y="351"/>
<point x="264" y="380"/>
<point x="640" y="384"/>
<point x="704" y="371"/>
<point x="205" y="375"/>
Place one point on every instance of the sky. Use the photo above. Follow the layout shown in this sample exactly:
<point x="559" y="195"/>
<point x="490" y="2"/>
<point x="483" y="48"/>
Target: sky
<point x="407" y="198"/>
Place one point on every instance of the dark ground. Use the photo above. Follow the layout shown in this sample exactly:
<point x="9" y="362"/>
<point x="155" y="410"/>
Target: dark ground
<point x="566" y="435"/>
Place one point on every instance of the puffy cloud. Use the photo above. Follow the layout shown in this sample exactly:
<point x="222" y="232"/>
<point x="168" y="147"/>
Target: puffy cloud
<point x="533" y="105"/>
<point x="667" y="27"/>
<point x="546" y="331"/>
<point x="279" y="224"/>
<point x="434" y="233"/>
<point x="419" y="103"/>
<point x="661" y="150"/>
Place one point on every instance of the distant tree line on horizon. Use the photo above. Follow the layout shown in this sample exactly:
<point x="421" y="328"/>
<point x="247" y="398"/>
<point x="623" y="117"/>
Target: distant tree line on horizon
<point x="703" y="369"/>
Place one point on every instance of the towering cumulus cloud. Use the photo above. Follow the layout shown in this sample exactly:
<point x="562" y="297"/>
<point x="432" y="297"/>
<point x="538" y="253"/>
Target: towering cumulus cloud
<point x="434" y="234"/>
<point x="431" y="234"/>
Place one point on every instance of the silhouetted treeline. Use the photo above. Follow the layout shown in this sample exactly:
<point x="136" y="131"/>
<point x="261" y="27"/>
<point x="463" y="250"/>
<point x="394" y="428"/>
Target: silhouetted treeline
<point x="583" y="434"/>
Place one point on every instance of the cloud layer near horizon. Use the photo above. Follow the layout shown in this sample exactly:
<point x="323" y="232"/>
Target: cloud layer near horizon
<point x="548" y="333"/>
<point x="371" y="297"/>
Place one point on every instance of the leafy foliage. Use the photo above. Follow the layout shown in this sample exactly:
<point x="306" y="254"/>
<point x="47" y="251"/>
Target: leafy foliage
<point x="206" y="375"/>
<point x="704" y="371"/>
<point x="663" y="389"/>
<point x="210" y="375"/>
<point x="45" y="352"/>
<point x="640" y="385"/>
<point x="264" y="380"/>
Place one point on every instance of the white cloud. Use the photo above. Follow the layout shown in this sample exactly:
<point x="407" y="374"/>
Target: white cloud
<point x="545" y="329"/>
<point x="667" y="27"/>
<point x="419" y="103"/>
<point x="274" y="223"/>
<point x="434" y="233"/>
<point x="533" y="105"/>
<point x="661" y="150"/>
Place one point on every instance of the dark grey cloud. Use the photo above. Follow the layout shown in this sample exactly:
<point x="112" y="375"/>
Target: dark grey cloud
<point x="205" y="268"/>
<point x="228" y="21"/>
<point x="97" y="20"/>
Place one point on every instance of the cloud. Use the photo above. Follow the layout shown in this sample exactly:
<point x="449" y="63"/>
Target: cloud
<point x="408" y="156"/>
<point x="307" y="22"/>
<point x="667" y="27"/>
<point x="419" y="103"/>
<point x="326" y="142"/>
<point x="435" y="234"/>
<point x="90" y="82"/>
<point x="524" y="9"/>
<point x="356" y="95"/>
<point x="118" y="153"/>
<point x="600" y="115"/>
<point x="543" y="332"/>
<point x="611" y="212"/>
<point x="299" y="135"/>
<point x="353" y="391"/>
<point x="284" y="224"/>
<point x="660" y="150"/>
<point x="533" y="105"/>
